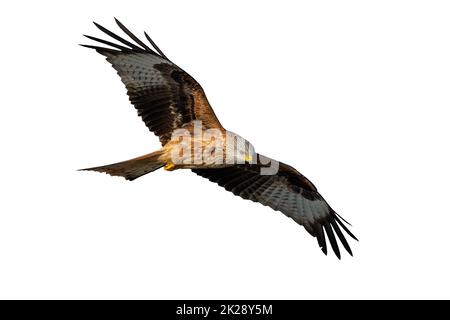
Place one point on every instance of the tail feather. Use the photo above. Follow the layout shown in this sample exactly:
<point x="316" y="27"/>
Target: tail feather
<point x="133" y="168"/>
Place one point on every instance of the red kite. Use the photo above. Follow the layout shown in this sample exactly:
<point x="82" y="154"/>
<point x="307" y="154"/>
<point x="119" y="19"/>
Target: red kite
<point x="174" y="107"/>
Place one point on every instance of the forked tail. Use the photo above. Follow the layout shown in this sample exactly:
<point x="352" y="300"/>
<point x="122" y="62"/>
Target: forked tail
<point x="133" y="168"/>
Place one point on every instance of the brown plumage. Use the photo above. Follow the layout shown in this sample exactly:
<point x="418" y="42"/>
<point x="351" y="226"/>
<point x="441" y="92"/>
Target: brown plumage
<point x="168" y="99"/>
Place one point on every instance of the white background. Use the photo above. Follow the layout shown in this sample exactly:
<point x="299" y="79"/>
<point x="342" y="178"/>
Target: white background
<point x="354" y="94"/>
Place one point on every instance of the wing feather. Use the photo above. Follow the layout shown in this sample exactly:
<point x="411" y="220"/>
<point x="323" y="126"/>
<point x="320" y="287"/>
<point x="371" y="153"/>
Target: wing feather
<point x="287" y="191"/>
<point x="165" y="96"/>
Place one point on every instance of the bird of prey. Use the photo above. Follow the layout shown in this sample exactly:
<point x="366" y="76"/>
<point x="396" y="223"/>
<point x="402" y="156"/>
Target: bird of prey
<point x="173" y="106"/>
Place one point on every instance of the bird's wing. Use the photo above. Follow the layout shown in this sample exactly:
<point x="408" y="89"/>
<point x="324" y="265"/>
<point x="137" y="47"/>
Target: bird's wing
<point x="287" y="191"/>
<point x="165" y="96"/>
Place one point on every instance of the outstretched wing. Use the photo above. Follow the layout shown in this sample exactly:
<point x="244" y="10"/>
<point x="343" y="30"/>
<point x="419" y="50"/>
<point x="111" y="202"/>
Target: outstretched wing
<point x="287" y="191"/>
<point x="165" y="96"/>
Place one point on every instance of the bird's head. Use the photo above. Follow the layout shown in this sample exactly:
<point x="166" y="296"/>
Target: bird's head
<point x="238" y="149"/>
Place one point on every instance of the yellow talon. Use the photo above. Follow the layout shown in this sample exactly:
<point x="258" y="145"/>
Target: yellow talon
<point x="169" y="167"/>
